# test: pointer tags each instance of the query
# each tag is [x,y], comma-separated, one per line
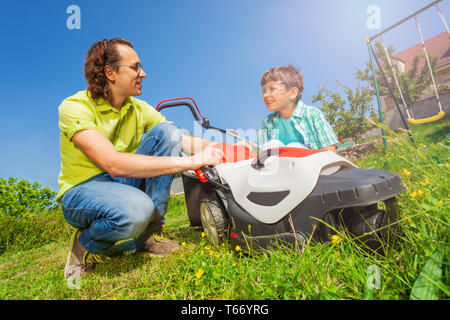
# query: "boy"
[292,122]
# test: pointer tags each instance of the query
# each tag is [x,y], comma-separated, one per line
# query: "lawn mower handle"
[204,122]
[169,103]
[166,104]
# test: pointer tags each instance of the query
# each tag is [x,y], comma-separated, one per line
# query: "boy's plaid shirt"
[308,120]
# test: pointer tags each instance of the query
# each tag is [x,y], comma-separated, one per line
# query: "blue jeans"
[109,209]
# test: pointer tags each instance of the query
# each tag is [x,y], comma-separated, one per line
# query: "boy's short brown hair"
[289,75]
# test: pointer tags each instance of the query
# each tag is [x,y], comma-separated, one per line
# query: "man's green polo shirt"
[123,128]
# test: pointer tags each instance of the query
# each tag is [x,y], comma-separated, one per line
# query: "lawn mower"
[289,196]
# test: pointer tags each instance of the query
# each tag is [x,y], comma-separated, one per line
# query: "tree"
[20,196]
[348,121]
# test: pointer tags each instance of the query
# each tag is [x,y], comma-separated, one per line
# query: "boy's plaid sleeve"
[324,132]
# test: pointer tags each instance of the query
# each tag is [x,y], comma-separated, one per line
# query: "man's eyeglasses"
[137,67]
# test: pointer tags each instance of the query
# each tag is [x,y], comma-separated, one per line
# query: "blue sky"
[214,51]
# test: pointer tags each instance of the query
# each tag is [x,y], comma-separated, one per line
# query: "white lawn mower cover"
[297,175]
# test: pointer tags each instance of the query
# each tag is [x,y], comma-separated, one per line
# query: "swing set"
[372,56]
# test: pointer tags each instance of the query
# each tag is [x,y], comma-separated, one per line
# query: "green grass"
[32,260]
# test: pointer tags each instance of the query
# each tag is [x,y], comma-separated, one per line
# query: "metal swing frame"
[373,57]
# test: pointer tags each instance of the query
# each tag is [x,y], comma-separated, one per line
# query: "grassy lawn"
[32,261]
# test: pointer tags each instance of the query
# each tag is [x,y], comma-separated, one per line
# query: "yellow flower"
[183,244]
[238,248]
[335,239]
[115,298]
[425,183]
[419,192]
[440,203]
[203,234]
[406,172]
[413,194]
[201,252]
[199,273]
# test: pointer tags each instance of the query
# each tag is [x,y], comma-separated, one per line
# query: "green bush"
[19,196]
[32,229]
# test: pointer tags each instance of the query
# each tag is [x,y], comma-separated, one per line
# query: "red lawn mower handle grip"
[201,175]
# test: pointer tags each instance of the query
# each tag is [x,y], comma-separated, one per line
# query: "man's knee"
[168,135]
[166,131]
[139,211]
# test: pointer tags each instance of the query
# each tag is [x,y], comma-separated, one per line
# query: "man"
[118,157]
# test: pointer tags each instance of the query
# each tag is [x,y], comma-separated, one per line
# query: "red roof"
[437,46]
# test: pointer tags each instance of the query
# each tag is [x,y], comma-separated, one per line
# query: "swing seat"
[437,117]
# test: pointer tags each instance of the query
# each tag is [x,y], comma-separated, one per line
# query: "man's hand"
[193,145]
[244,143]
[209,156]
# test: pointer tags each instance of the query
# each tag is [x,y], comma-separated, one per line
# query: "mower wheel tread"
[214,221]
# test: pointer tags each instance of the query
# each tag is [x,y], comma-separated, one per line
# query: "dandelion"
[419,192]
[425,183]
[238,248]
[183,244]
[413,195]
[440,203]
[406,172]
[199,273]
[335,239]
[203,234]
[115,298]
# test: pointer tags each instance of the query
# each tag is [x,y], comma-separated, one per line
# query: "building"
[438,46]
